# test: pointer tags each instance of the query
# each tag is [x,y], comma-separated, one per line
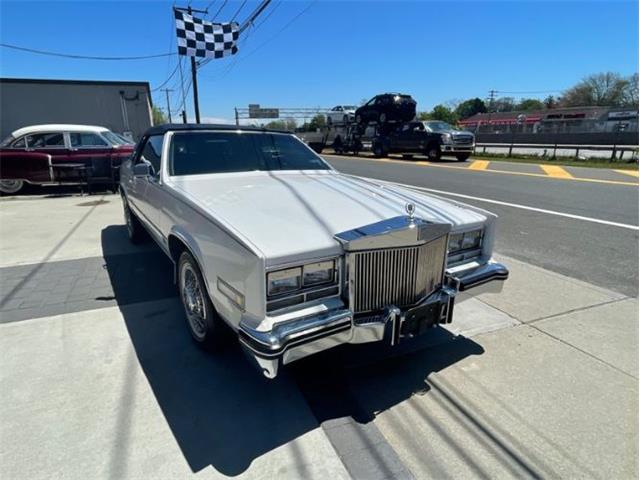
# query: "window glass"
[43,140]
[20,143]
[113,138]
[285,152]
[194,153]
[86,139]
[152,152]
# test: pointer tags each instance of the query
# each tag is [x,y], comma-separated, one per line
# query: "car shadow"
[220,410]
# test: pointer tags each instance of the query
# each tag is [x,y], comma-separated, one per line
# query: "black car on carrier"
[387,107]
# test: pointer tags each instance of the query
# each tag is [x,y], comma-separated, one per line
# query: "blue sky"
[336,52]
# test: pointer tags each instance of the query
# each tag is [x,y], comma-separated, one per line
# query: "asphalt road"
[598,253]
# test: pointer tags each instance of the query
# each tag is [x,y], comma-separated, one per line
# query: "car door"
[53,145]
[403,137]
[365,111]
[142,190]
[93,151]
[419,137]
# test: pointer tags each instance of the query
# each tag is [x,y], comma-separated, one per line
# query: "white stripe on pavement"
[522,207]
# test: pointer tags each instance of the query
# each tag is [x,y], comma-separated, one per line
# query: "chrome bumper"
[456,148]
[304,336]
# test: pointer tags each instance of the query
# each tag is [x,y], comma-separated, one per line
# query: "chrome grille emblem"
[410,208]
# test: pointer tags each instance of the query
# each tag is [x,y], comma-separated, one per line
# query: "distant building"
[555,121]
[122,107]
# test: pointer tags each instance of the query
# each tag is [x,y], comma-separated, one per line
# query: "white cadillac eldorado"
[292,255]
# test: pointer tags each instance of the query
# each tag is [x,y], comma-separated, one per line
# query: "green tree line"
[601,89]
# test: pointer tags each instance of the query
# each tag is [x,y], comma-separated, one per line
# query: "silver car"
[341,114]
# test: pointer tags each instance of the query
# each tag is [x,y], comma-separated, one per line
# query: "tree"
[503,104]
[440,112]
[470,107]
[550,102]
[422,116]
[276,125]
[600,89]
[158,116]
[630,92]
[529,104]
[318,121]
[284,124]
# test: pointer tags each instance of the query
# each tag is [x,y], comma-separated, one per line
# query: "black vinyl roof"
[182,127]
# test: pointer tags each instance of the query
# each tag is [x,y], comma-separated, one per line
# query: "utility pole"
[492,97]
[166,91]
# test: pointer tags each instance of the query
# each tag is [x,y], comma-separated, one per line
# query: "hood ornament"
[410,208]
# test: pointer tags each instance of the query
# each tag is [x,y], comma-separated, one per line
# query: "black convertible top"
[173,127]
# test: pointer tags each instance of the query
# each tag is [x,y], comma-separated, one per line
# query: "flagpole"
[194,79]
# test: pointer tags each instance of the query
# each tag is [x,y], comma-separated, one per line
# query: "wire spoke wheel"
[193,300]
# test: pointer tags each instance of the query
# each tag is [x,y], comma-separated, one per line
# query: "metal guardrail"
[614,149]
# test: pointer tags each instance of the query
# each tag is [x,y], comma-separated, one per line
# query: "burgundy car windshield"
[114,139]
[195,153]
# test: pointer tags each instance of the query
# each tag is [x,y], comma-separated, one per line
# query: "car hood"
[290,216]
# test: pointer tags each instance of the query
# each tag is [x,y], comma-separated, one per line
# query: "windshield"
[113,138]
[438,126]
[127,141]
[195,153]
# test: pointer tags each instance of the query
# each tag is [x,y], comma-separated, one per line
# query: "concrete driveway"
[101,380]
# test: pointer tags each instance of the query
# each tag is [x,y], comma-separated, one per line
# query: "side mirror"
[142,169]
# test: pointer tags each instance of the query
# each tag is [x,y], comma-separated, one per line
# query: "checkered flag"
[199,38]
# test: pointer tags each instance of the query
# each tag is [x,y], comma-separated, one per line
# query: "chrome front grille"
[462,139]
[395,276]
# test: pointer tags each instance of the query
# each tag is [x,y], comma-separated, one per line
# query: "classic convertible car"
[294,256]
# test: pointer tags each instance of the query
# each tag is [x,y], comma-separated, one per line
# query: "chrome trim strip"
[228,291]
[396,232]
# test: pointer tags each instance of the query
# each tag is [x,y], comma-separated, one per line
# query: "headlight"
[455,242]
[465,241]
[471,239]
[318,273]
[446,138]
[284,281]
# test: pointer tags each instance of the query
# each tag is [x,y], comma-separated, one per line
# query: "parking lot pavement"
[101,378]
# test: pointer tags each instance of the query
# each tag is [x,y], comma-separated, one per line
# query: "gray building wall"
[25,102]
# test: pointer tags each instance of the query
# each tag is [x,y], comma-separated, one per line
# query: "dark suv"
[387,107]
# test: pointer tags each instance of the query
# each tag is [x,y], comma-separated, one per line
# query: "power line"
[246,24]
[219,10]
[238,11]
[529,91]
[287,25]
[168,79]
[84,57]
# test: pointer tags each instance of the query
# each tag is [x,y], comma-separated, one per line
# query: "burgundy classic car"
[61,155]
